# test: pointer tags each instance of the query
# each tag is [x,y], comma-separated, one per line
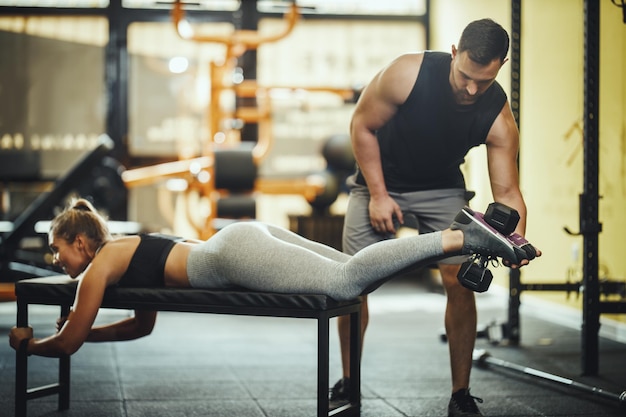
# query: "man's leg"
[460,322]
[436,210]
[343,324]
[357,234]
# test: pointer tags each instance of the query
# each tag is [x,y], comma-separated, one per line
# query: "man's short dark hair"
[484,40]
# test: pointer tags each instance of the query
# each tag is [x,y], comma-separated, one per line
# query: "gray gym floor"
[212,365]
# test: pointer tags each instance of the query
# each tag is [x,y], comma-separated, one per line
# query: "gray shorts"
[426,211]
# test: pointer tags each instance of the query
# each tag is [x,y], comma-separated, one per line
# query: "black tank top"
[147,265]
[424,144]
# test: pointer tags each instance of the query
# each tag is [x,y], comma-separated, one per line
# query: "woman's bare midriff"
[175,273]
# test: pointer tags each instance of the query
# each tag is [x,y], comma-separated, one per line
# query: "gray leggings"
[263,257]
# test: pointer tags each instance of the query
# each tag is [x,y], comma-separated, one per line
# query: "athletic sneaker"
[481,238]
[462,405]
[339,394]
[518,240]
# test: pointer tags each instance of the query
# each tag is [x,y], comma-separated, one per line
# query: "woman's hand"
[18,334]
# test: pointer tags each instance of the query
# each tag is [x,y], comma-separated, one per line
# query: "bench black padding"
[60,290]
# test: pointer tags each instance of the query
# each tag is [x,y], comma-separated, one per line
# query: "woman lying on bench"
[252,255]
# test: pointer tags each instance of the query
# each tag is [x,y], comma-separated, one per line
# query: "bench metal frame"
[254,304]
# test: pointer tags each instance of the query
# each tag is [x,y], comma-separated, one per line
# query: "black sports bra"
[147,266]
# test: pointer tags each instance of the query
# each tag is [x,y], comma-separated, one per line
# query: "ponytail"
[81,217]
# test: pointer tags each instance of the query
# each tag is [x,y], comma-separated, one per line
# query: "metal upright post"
[589,224]
[516,59]
[513,323]
[64,372]
[249,20]
[21,366]
[116,78]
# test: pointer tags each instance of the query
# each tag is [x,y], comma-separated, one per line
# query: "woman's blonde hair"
[80,217]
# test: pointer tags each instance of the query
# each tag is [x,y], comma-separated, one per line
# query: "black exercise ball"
[328,196]
[337,151]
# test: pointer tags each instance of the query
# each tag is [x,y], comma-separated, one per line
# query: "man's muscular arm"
[376,106]
[502,150]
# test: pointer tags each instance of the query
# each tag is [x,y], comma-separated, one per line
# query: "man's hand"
[382,213]
[536,253]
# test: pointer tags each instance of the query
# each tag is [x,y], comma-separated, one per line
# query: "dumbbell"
[474,274]
[501,217]
[504,219]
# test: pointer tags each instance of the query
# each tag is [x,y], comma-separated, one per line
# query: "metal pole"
[589,224]
[484,358]
[513,323]
[21,365]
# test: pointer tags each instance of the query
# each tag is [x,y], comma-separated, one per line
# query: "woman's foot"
[482,239]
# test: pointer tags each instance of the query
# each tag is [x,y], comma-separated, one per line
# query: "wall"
[552,107]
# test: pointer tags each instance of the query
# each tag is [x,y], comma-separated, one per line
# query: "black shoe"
[339,394]
[480,238]
[462,405]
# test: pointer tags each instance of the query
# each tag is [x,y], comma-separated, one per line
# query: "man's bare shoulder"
[410,59]
[403,70]
[405,65]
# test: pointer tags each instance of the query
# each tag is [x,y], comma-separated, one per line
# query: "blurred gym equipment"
[23,245]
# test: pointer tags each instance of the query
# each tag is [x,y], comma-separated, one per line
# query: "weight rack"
[590,227]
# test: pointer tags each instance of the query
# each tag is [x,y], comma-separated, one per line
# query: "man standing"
[411,130]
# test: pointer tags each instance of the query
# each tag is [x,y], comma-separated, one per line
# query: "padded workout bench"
[60,290]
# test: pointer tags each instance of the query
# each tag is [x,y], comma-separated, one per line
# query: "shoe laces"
[339,390]
[485,260]
[466,402]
